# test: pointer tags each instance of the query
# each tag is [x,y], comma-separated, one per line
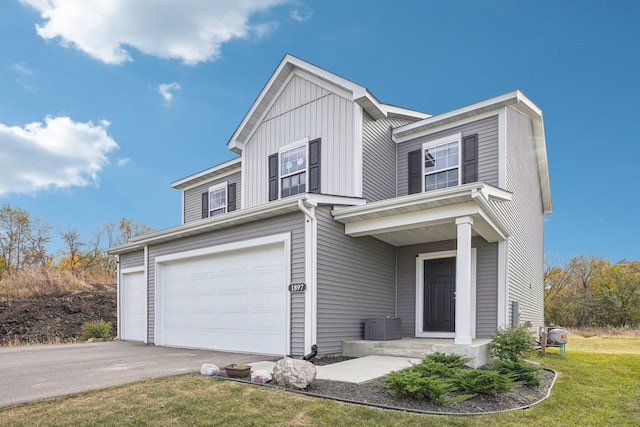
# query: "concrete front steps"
[417,348]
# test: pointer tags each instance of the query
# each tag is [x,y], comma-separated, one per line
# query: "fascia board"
[405,132]
[394,111]
[410,220]
[222,169]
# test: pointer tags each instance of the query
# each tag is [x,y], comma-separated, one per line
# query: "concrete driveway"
[40,372]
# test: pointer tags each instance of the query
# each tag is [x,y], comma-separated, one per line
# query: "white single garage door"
[133,307]
[230,301]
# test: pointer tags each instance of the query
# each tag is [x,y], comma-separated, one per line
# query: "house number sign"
[297,287]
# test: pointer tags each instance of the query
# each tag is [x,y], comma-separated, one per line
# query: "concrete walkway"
[356,371]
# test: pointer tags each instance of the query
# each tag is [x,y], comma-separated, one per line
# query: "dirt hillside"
[55,317]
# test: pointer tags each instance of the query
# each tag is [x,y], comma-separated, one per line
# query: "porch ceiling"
[427,217]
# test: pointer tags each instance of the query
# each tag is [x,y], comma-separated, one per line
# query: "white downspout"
[310,272]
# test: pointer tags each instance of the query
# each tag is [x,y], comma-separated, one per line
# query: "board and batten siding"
[379,158]
[131,259]
[524,218]
[291,223]
[486,284]
[355,282]
[304,110]
[193,196]
[487,130]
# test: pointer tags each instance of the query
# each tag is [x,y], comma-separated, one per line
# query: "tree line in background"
[24,240]
[592,292]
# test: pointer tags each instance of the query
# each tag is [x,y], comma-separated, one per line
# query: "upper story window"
[295,169]
[443,163]
[218,199]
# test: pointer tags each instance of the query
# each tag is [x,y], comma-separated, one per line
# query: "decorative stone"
[294,373]
[209,369]
[261,376]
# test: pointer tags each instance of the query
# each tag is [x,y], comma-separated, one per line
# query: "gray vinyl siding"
[293,223]
[131,260]
[304,110]
[355,282]
[486,284]
[379,158]
[524,218]
[193,196]
[487,130]
[297,324]
[486,290]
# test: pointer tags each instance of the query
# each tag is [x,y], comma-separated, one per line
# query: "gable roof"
[279,78]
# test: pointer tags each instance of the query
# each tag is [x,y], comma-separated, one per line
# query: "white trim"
[232,164]
[457,138]
[420,292]
[358,150]
[216,187]
[146,287]
[283,238]
[118,297]
[140,269]
[243,183]
[442,127]
[292,145]
[412,130]
[502,284]
[502,149]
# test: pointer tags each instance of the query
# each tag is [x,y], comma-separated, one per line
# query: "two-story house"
[338,208]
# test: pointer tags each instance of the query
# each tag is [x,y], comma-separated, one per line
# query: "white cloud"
[22,68]
[189,30]
[59,153]
[123,162]
[165,90]
[301,14]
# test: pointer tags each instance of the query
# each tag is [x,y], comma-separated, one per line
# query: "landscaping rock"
[209,369]
[294,373]
[261,376]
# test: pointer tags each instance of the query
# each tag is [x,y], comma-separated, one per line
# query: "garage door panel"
[232,301]
[133,307]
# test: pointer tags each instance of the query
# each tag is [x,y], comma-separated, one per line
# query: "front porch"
[478,350]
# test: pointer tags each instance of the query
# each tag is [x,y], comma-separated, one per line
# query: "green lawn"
[594,388]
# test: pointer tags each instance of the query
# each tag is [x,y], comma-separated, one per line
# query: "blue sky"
[103,106]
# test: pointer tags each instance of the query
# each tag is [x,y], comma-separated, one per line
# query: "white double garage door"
[233,300]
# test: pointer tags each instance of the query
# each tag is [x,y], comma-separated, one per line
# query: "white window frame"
[457,138]
[214,188]
[292,146]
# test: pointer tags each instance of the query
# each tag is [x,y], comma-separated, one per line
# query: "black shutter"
[231,197]
[314,166]
[273,177]
[470,159]
[205,205]
[415,175]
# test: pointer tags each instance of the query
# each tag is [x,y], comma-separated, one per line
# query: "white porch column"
[463,281]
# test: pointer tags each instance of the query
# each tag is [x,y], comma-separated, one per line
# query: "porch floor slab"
[417,348]
[364,369]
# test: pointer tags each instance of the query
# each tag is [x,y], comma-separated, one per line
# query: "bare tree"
[73,247]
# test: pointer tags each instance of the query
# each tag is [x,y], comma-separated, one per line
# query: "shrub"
[512,344]
[524,373]
[97,329]
[450,360]
[484,382]
[411,383]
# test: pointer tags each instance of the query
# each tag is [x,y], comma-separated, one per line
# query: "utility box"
[383,329]
[556,337]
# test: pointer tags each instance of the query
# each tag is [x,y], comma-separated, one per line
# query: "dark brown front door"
[439,295]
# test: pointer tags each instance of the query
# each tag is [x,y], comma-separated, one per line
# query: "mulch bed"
[373,394]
